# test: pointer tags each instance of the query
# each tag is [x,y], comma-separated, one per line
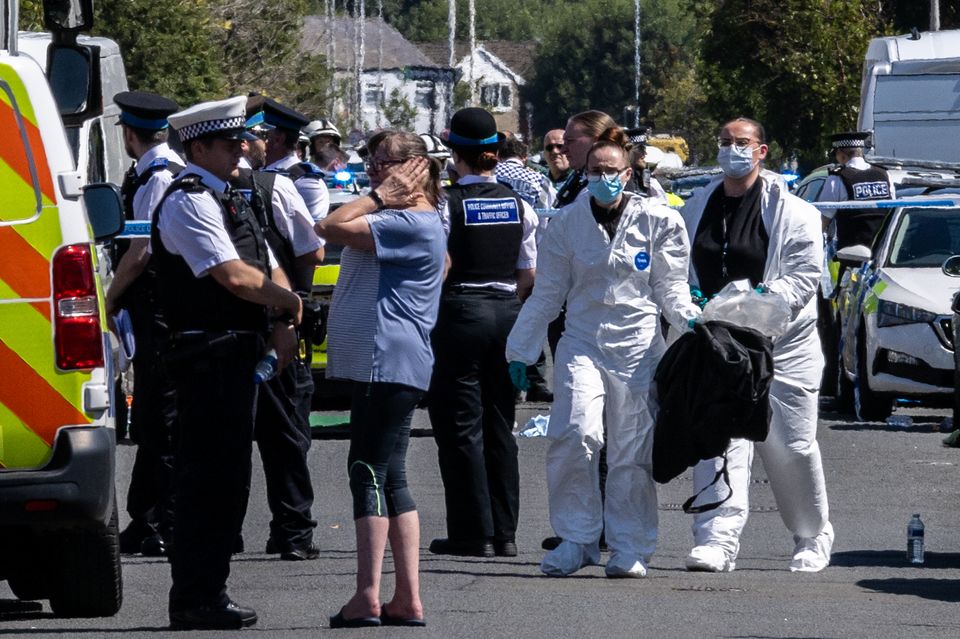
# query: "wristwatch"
[373,195]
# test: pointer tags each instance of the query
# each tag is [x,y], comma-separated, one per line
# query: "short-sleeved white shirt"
[293,218]
[191,225]
[148,196]
[314,192]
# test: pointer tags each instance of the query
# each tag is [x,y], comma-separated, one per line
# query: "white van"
[910,96]
[97,142]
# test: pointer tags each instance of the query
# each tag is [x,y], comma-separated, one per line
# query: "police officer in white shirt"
[217,290]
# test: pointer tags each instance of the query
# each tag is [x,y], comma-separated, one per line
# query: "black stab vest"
[201,303]
[486,230]
[860,226]
[257,188]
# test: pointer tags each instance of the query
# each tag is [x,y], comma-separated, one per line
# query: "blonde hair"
[593,122]
[403,146]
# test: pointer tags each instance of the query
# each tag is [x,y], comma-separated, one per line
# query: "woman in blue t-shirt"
[384,307]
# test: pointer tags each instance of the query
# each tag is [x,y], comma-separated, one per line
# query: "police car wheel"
[872,406]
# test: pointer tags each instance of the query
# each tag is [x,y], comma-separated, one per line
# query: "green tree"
[167,47]
[587,60]
[794,65]
[398,111]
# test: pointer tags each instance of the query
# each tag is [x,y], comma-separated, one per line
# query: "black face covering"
[731,241]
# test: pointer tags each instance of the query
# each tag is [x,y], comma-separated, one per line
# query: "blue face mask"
[605,190]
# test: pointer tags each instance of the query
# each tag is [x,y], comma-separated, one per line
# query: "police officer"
[284,125]
[641,182]
[220,292]
[854,179]
[492,254]
[283,405]
[143,118]
[321,133]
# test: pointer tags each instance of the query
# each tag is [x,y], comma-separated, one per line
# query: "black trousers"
[282,432]
[472,412]
[152,417]
[216,399]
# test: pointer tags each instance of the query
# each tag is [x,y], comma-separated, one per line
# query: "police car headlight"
[893,314]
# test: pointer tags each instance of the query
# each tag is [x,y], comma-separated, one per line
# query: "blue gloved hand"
[518,375]
[692,321]
[760,288]
[697,297]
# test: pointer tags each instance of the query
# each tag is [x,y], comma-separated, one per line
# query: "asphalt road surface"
[877,476]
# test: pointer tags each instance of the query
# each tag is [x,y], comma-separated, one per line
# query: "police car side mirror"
[104,210]
[854,255]
[951,266]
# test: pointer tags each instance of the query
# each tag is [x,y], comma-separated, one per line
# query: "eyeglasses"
[610,174]
[378,165]
[549,148]
[740,143]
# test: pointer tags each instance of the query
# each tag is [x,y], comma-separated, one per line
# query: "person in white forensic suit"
[618,260]
[746,224]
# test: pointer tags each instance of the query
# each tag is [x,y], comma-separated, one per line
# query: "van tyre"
[89,581]
[873,406]
[29,579]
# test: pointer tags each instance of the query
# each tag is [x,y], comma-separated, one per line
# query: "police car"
[896,337]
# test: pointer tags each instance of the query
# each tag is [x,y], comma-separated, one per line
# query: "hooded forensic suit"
[614,293]
[790,454]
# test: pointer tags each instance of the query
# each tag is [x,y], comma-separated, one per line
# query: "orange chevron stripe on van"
[28,396]
[22,267]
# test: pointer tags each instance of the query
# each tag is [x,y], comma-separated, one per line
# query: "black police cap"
[473,128]
[282,117]
[144,110]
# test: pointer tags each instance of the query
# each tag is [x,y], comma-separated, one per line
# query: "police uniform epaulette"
[159,162]
[309,168]
[835,170]
[190,183]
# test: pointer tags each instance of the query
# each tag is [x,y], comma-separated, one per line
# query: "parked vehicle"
[58,514]
[908,95]
[896,335]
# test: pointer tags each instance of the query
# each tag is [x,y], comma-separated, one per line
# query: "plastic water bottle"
[915,540]
[266,367]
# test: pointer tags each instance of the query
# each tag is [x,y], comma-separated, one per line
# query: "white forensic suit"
[614,292]
[790,454]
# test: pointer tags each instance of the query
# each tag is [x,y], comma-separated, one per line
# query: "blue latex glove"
[691,322]
[697,297]
[518,375]
[760,288]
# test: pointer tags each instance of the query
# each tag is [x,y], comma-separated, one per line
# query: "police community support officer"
[215,289]
[492,254]
[854,179]
[143,117]
[284,125]
[282,426]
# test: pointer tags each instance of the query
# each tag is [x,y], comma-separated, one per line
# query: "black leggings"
[380,417]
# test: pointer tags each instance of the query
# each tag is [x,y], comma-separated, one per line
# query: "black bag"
[713,384]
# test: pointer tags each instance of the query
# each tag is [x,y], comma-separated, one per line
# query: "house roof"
[518,57]
[398,52]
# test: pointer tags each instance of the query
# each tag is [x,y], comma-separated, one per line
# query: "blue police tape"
[889,204]
[135,228]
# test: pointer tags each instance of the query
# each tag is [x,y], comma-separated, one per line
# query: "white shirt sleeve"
[315,196]
[528,247]
[148,196]
[293,218]
[191,225]
[833,191]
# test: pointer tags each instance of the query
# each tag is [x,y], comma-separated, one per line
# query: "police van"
[58,516]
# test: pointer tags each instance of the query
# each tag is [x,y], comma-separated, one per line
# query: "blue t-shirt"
[386,302]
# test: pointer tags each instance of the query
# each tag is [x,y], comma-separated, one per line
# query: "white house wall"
[427,120]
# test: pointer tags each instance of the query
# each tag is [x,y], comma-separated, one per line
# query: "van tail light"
[77,335]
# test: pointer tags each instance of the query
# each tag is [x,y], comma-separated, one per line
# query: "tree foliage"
[794,65]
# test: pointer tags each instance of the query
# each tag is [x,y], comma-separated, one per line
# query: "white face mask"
[735,161]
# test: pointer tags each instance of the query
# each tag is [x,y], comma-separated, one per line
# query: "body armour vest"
[860,226]
[256,187]
[201,303]
[486,230]
[141,289]
[302,170]
[570,189]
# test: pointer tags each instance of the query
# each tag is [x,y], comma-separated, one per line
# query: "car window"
[925,238]
[811,189]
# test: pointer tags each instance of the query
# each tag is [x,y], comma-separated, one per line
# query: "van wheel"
[871,406]
[89,582]
[29,583]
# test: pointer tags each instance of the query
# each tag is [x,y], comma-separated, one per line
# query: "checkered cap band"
[849,144]
[207,127]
